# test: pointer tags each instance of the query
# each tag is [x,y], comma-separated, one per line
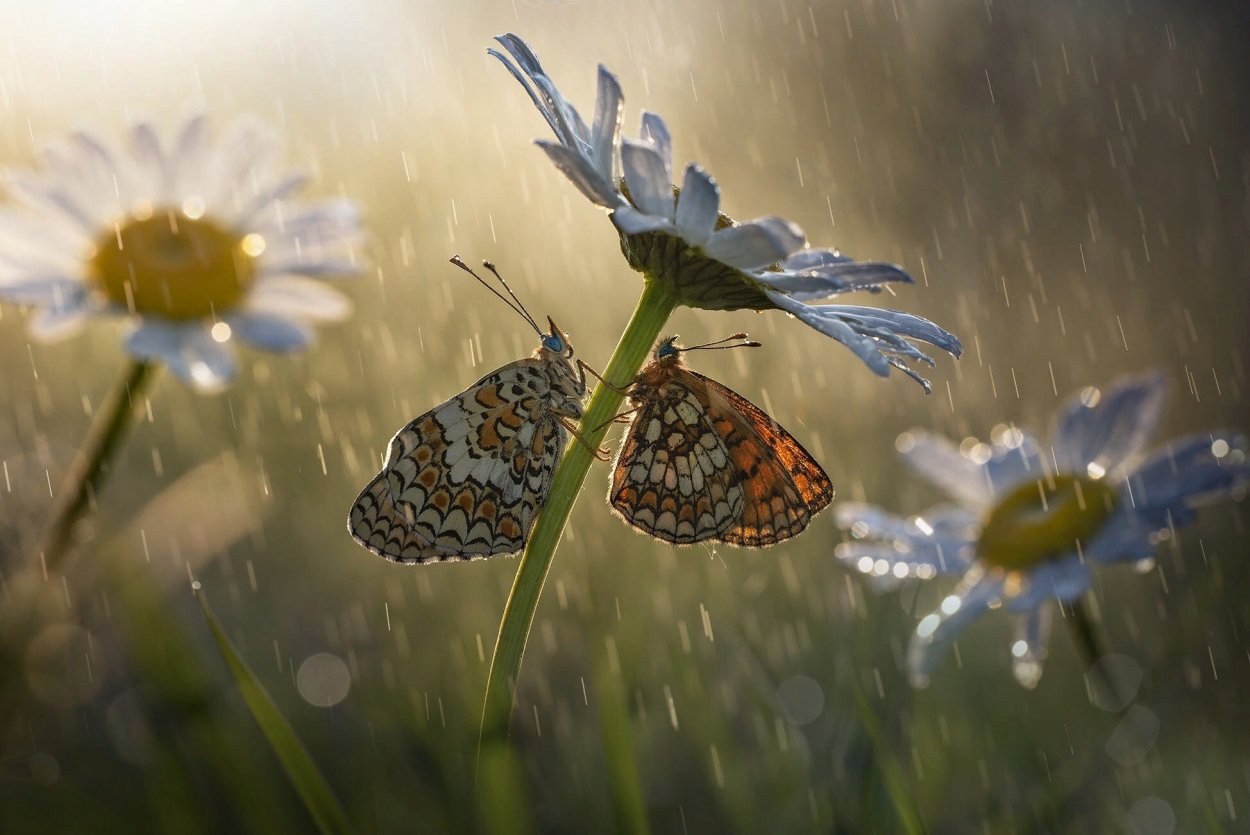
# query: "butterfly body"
[699,462]
[466,479]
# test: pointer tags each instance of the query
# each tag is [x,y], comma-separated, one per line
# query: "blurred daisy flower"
[196,243]
[680,236]
[1031,522]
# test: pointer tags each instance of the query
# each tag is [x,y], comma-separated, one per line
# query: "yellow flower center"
[1042,520]
[168,264]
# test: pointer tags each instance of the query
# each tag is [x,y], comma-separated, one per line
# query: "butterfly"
[701,462]
[465,480]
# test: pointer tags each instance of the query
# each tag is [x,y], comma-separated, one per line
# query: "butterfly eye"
[553,343]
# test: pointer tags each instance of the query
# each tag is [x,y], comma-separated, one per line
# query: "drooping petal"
[757,243]
[698,206]
[974,595]
[1098,438]
[811,283]
[270,332]
[865,348]
[583,175]
[647,178]
[902,548]
[903,324]
[1032,639]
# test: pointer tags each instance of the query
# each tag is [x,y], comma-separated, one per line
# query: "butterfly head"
[668,352]
[668,349]
[556,341]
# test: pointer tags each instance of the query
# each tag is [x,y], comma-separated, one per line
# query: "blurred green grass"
[1094,200]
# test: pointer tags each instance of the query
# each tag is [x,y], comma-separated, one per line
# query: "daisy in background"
[1031,522]
[679,234]
[192,243]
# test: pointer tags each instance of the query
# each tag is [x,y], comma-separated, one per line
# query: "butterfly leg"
[623,417]
[599,453]
[582,368]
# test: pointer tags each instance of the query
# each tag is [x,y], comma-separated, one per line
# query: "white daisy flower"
[679,234]
[1031,523]
[195,243]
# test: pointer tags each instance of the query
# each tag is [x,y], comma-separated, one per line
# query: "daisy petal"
[188,349]
[633,222]
[606,129]
[584,175]
[831,280]
[647,178]
[1028,651]
[655,132]
[39,290]
[1129,535]
[192,146]
[528,63]
[903,324]
[974,595]
[864,347]
[286,295]
[1191,469]
[698,206]
[265,199]
[940,461]
[756,243]
[271,333]
[1063,579]
[1111,431]
[63,317]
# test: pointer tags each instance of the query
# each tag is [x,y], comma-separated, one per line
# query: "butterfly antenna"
[488,265]
[520,311]
[719,345]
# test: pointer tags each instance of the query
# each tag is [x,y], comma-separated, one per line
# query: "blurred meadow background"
[1068,181]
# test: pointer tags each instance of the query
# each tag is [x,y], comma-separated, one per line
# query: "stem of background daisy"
[90,464]
[1093,647]
[657,303]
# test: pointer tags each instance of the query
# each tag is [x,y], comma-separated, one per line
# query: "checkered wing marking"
[783,485]
[466,479]
[673,477]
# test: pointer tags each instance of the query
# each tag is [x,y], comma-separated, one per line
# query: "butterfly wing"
[783,486]
[466,479]
[673,477]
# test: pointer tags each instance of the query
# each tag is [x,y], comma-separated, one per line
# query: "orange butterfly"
[701,462]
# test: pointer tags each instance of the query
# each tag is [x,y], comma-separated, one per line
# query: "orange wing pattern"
[783,484]
[700,462]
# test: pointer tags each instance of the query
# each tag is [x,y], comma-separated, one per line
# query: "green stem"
[90,464]
[657,302]
[1089,639]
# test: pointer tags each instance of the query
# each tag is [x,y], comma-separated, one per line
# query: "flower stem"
[1090,641]
[657,302]
[91,463]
